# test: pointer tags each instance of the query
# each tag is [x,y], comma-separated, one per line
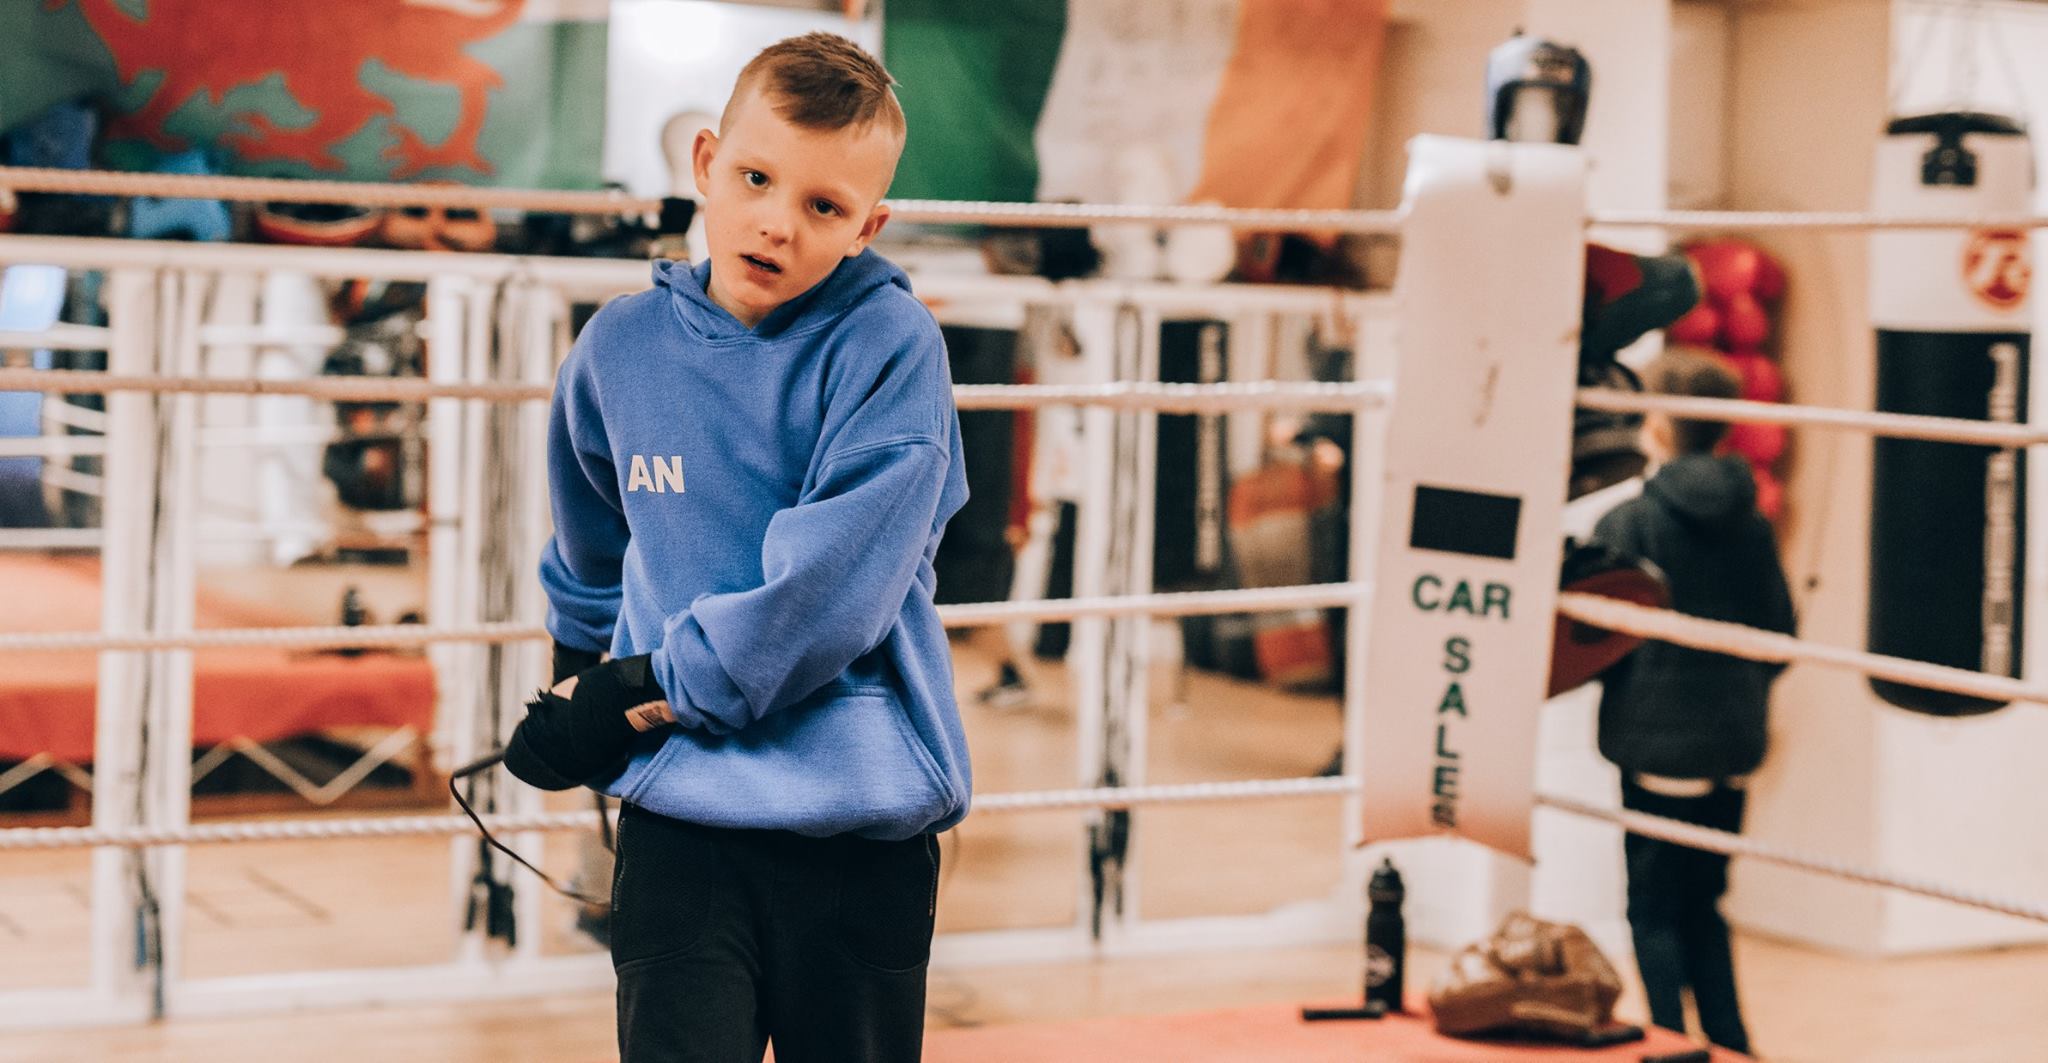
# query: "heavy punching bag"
[1950,309]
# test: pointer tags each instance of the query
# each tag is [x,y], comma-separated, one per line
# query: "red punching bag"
[1946,519]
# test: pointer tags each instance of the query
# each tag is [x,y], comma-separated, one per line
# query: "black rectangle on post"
[1465,522]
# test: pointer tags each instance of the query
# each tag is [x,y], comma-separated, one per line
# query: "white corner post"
[1469,539]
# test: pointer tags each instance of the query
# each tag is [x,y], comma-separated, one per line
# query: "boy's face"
[1660,438]
[783,204]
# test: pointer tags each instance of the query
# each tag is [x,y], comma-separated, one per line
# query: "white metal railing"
[496,325]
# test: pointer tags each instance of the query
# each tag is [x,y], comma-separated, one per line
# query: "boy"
[1687,726]
[750,467]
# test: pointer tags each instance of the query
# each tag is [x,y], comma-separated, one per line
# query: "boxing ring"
[498,326]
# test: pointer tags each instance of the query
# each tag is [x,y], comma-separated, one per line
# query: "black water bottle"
[353,614]
[1386,939]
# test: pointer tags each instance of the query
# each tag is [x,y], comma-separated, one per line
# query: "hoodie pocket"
[845,760]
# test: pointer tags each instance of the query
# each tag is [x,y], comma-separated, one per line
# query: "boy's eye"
[755,178]
[825,207]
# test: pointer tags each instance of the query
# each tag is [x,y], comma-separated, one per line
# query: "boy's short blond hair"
[822,81]
[1699,374]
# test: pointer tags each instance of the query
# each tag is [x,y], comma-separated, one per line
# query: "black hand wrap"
[568,742]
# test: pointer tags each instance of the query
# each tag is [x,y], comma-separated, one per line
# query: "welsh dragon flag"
[507,92]
[1256,103]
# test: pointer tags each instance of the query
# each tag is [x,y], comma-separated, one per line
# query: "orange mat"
[47,699]
[1268,1032]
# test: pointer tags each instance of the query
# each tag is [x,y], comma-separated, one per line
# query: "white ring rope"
[1177,603]
[295,190]
[1894,425]
[1181,398]
[1797,219]
[1037,215]
[407,826]
[1125,395]
[1129,395]
[380,636]
[1693,836]
[1080,215]
[1737,640]
[332,388]
[1687,834]
[948,212]
[971,614]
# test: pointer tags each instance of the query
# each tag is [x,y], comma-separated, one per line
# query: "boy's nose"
[775,226]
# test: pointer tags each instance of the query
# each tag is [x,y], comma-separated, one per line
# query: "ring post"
[1488,301]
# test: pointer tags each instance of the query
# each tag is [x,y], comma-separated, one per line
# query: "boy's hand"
[582,729]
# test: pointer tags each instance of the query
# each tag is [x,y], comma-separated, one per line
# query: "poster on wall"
[1085,99]
[503,92]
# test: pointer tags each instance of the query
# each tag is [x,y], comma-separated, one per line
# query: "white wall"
[1628,43]
[1702,35]
[1807,106]
[671,56]
[1432,80]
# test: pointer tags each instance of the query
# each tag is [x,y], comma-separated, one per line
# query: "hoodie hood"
[825,302]
[1716,493]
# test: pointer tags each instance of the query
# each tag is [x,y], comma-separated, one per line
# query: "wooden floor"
[344,904]
[1802,1006]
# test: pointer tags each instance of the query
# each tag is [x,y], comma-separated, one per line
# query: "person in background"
[1686,726]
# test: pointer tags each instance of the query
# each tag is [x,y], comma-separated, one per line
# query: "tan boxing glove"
[1531,976]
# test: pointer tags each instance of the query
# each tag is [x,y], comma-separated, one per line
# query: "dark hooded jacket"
[1681,712]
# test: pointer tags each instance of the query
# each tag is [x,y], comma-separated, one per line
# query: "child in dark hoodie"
[1687,726]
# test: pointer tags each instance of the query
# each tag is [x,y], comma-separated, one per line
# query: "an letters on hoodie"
[667,474]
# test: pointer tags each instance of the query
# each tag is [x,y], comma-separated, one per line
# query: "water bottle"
[353,614]
[1386,939]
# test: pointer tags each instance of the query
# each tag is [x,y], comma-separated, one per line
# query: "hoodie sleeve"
[1776,595]
[580,566]
[838,564]
[1618,529]
[1779,615]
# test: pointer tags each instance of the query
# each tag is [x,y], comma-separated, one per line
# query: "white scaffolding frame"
[501,319]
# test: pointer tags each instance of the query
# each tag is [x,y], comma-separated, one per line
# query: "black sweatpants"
[724,940]
[1674,914]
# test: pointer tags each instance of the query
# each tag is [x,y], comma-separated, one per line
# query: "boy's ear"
[877,218]
[702,151]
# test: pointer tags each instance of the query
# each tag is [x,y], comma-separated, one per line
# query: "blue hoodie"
[758,509]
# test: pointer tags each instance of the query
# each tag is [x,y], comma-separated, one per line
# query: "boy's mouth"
[762,264]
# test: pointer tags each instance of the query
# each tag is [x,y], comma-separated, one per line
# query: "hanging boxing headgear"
[317,224]
[1537,90]
[1953,340]
[1627,297]
[418,228]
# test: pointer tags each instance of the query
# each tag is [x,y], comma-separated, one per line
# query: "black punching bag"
[1947,520]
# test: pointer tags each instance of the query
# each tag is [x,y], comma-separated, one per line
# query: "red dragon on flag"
[319,51]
